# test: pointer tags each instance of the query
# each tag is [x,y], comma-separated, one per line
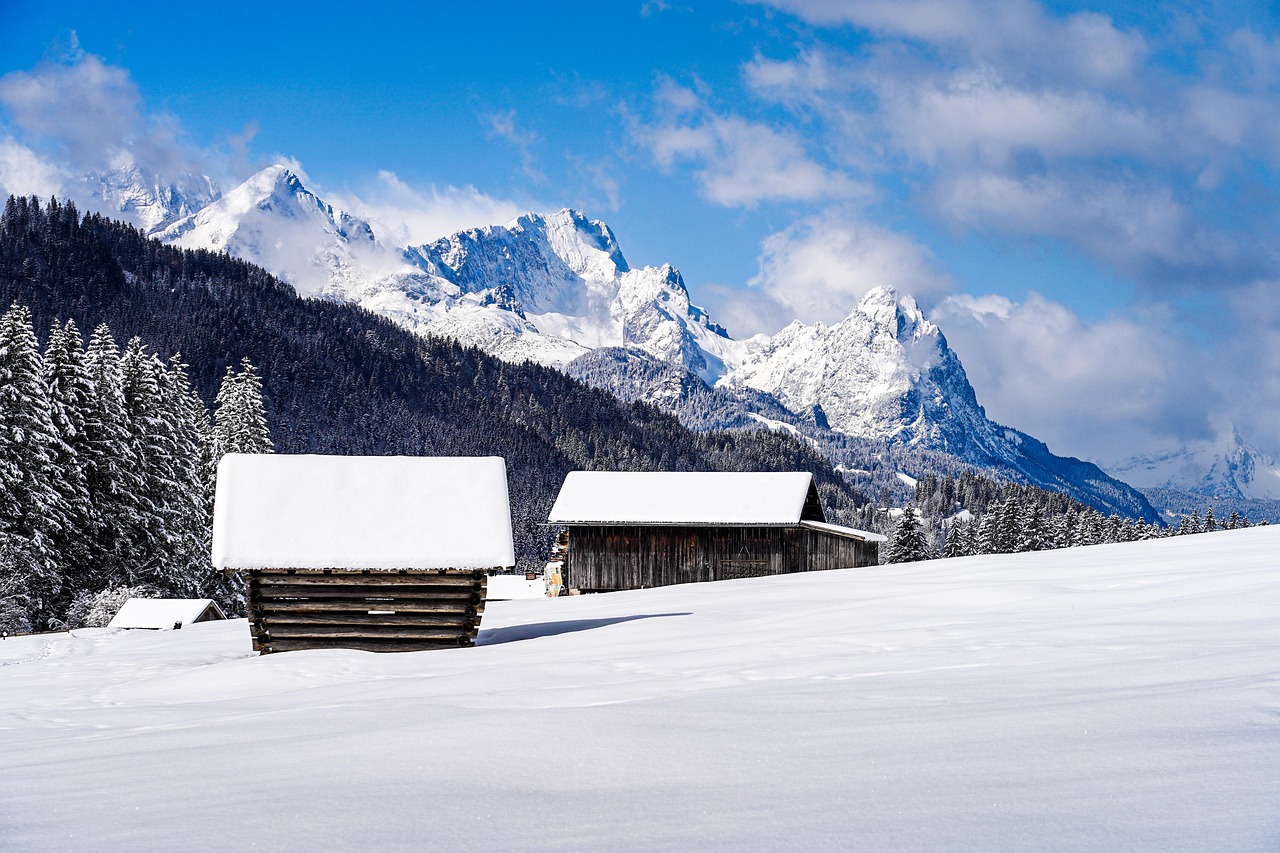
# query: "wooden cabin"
[630,530]
[381,553]
[161,613]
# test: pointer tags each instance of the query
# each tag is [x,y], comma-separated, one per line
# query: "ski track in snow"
[1112,697]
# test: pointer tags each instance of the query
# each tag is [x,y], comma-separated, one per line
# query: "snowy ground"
[1115,697]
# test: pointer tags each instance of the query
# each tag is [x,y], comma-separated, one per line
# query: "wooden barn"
[382,553]
[161,613]
[630,530]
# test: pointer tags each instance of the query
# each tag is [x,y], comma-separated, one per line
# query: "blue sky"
[1082,195]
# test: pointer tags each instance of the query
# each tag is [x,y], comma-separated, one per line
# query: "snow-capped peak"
[1225,467]
[150,201]
[884,371]
[273,220]
[587,246]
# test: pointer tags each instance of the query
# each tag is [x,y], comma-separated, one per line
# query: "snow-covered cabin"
[629,530]
[369,552]
[165,613]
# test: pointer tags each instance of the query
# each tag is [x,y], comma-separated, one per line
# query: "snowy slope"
[149,201]
[272,220]
[566,276]
[1121,697]
[1224,468]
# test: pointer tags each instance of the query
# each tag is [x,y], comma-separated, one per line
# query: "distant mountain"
[148,200]
[1226,473]
[1226,468]
[552,288]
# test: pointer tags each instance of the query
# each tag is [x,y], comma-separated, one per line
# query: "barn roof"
[162,612]
[276,511]
[680,498]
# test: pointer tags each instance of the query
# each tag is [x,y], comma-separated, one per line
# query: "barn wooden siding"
[611,557]
[399,610]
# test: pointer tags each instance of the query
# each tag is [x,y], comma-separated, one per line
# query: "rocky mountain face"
[1226,472]
[555,288]
[150,201]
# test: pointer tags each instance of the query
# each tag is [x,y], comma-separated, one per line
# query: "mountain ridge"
[550,288]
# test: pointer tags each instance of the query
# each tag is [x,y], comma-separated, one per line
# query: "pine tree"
[70,393]
[908,542]
[956,540]
[240,420]
[33,514]
[1210,523]
[110,465]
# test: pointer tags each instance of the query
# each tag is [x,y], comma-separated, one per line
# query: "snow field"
[1111,697]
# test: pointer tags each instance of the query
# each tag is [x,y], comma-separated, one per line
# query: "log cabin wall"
[613,557]
[375,610]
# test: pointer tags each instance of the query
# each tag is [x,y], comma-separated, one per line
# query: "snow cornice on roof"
[686,499]
[277,511]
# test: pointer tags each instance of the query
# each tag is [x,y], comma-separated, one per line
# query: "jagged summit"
[273,220]
[1225,467]
[150,201]
[885,371]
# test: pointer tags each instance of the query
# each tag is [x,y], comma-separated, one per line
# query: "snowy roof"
[838,530]
[628,497]
[162,612]
[276,511]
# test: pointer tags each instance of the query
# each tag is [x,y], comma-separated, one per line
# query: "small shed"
[630,530]
[159,613]
[383,553]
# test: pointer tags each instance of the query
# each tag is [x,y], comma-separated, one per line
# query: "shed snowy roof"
[275,511]
[162,612]
[628,497]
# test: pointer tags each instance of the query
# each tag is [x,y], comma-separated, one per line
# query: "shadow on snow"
[514,633]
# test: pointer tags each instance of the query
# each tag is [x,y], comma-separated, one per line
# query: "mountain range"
[556,289]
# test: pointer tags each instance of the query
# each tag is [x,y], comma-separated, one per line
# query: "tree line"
[107,460]
[970,514]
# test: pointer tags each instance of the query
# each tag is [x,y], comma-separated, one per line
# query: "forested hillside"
[337,379]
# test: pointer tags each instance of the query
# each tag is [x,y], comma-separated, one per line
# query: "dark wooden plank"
[276,621]
[272,577]
[410,592]
[267,608]
[384,632]
[285,645]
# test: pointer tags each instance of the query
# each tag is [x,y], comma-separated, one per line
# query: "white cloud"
[407,216]
[90,116]
[24,172]
[975,116]
[819,267]
[1139,228]
[1100,390]
[1085,45]
[505,125]
[738,163]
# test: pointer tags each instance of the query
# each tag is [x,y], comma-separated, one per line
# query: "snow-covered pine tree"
[33,514]
[239,426]
[149,519]
[70,393]
[908,545]
[1210,523]
[1189,525]
[240,419]
[110,465]
[955,545]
